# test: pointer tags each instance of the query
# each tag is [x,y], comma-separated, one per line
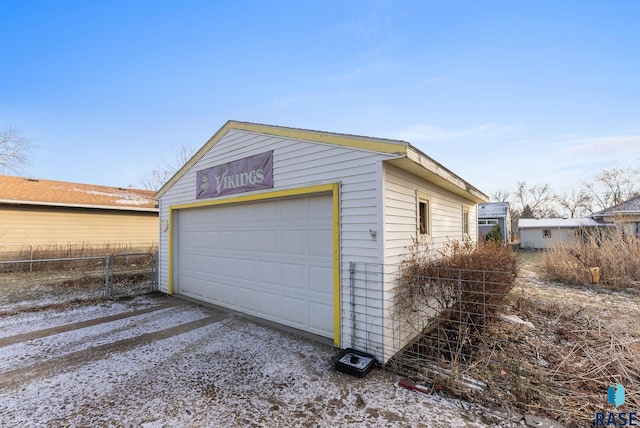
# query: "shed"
[495,213]
[37,211]
[547,232]
[265,220]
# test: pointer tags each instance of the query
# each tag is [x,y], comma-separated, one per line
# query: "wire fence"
[76,272]
[42,257]
[439,327]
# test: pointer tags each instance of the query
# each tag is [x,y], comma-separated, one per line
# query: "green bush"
[494,235]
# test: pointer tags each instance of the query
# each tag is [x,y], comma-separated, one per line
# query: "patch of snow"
[230,372]
[514,319]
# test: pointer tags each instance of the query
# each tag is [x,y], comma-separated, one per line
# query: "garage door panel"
[228,240]
[269,272]
[293,242]
[269,241]
[318,209]
[244,216]
[268,212]
[212,240]
[227,267]
[295,276]
[270,305]
[294,311]
[246,240]
[271,259]
[320,317]
[247,269]
[319,241]
[295,210]
[247,299]
[319,276]
[226,292]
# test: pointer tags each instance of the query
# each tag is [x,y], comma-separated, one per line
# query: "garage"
[307,229]
[272,259]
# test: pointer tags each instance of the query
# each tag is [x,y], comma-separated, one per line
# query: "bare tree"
[501,196]
[156,178]
[14,150]
[613,186]
[576,202]
[538,198]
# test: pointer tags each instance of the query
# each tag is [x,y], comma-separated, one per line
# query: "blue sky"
[497,91]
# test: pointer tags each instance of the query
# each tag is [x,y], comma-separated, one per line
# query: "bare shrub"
[613,251]
[463,287]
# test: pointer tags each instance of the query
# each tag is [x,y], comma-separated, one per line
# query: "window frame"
[546,233]
[423,217]
[465,221]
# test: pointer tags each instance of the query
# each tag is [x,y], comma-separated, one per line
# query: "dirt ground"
[163,362]
[582,340]
[68,357]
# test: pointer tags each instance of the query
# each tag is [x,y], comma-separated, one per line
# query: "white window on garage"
[465,221]
[424,214]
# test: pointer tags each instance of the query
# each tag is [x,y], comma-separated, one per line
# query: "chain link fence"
[40,275]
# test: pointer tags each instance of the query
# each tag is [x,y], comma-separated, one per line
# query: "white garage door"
[271,259]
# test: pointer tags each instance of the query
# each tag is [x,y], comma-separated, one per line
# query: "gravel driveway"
[156,362]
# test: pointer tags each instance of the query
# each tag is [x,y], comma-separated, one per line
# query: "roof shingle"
[21,190]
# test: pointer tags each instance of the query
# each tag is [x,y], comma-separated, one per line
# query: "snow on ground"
[183,365]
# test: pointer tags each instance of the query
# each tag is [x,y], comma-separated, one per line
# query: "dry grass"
[584,340]
[59,282]
[48,257]
[614,253]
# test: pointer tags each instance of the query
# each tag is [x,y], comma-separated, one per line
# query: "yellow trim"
[321,188]
[336,267]
[170,270]
[352,141]
[356,142]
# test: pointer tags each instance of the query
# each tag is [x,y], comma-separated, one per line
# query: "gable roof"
[29,191]
[406,156]
[630,206]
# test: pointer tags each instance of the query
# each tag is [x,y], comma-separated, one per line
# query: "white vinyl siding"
[535,237]
[401,213]
[402,195]
[296,164]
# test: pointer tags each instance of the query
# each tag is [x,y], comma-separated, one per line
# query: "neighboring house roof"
[493,210]
[630,206]
[406,156]
[529,223]
[29,191]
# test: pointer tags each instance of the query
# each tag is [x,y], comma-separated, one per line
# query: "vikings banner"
[242,175]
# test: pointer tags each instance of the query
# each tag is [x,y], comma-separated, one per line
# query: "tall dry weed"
[615,253]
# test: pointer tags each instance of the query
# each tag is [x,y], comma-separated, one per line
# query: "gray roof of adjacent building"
[529,223]
[493,210]
[630,206]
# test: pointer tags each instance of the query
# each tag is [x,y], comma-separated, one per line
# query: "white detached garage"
[263,220]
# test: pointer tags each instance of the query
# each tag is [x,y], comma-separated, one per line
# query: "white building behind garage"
[265,220]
